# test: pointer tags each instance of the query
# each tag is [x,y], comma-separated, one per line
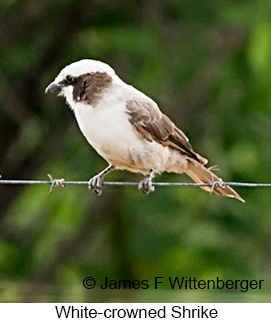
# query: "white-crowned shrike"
[128,129]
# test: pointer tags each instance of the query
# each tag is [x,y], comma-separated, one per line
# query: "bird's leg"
[145,185]
[96,182]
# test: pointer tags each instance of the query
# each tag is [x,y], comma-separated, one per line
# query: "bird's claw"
[96,184]
[145,185]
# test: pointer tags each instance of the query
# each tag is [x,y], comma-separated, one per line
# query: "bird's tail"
[200,174]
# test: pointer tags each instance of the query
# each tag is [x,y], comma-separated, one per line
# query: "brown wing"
[152,124]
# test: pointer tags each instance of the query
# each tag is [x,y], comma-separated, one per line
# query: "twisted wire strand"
[62,182]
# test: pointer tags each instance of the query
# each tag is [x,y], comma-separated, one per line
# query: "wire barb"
[214,168]
[55,182]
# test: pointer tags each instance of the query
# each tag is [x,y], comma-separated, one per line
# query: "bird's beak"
[53,87]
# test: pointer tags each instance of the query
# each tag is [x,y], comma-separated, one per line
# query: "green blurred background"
[208,65]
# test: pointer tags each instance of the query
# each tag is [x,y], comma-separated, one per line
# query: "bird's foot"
[96,184]
[145,185]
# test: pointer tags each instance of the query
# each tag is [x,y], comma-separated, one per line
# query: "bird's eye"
[69,79]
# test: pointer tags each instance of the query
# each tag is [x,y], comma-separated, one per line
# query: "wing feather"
[152,124]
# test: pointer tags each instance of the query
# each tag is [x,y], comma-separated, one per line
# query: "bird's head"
[83,81]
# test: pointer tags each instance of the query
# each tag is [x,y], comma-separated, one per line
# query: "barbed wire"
[62,182]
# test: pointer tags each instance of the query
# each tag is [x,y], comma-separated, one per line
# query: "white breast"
[109,131]
[106,127]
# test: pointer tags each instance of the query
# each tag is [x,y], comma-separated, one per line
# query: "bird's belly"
[111,134]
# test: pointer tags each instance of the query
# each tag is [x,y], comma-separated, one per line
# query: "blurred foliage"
[208,66]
